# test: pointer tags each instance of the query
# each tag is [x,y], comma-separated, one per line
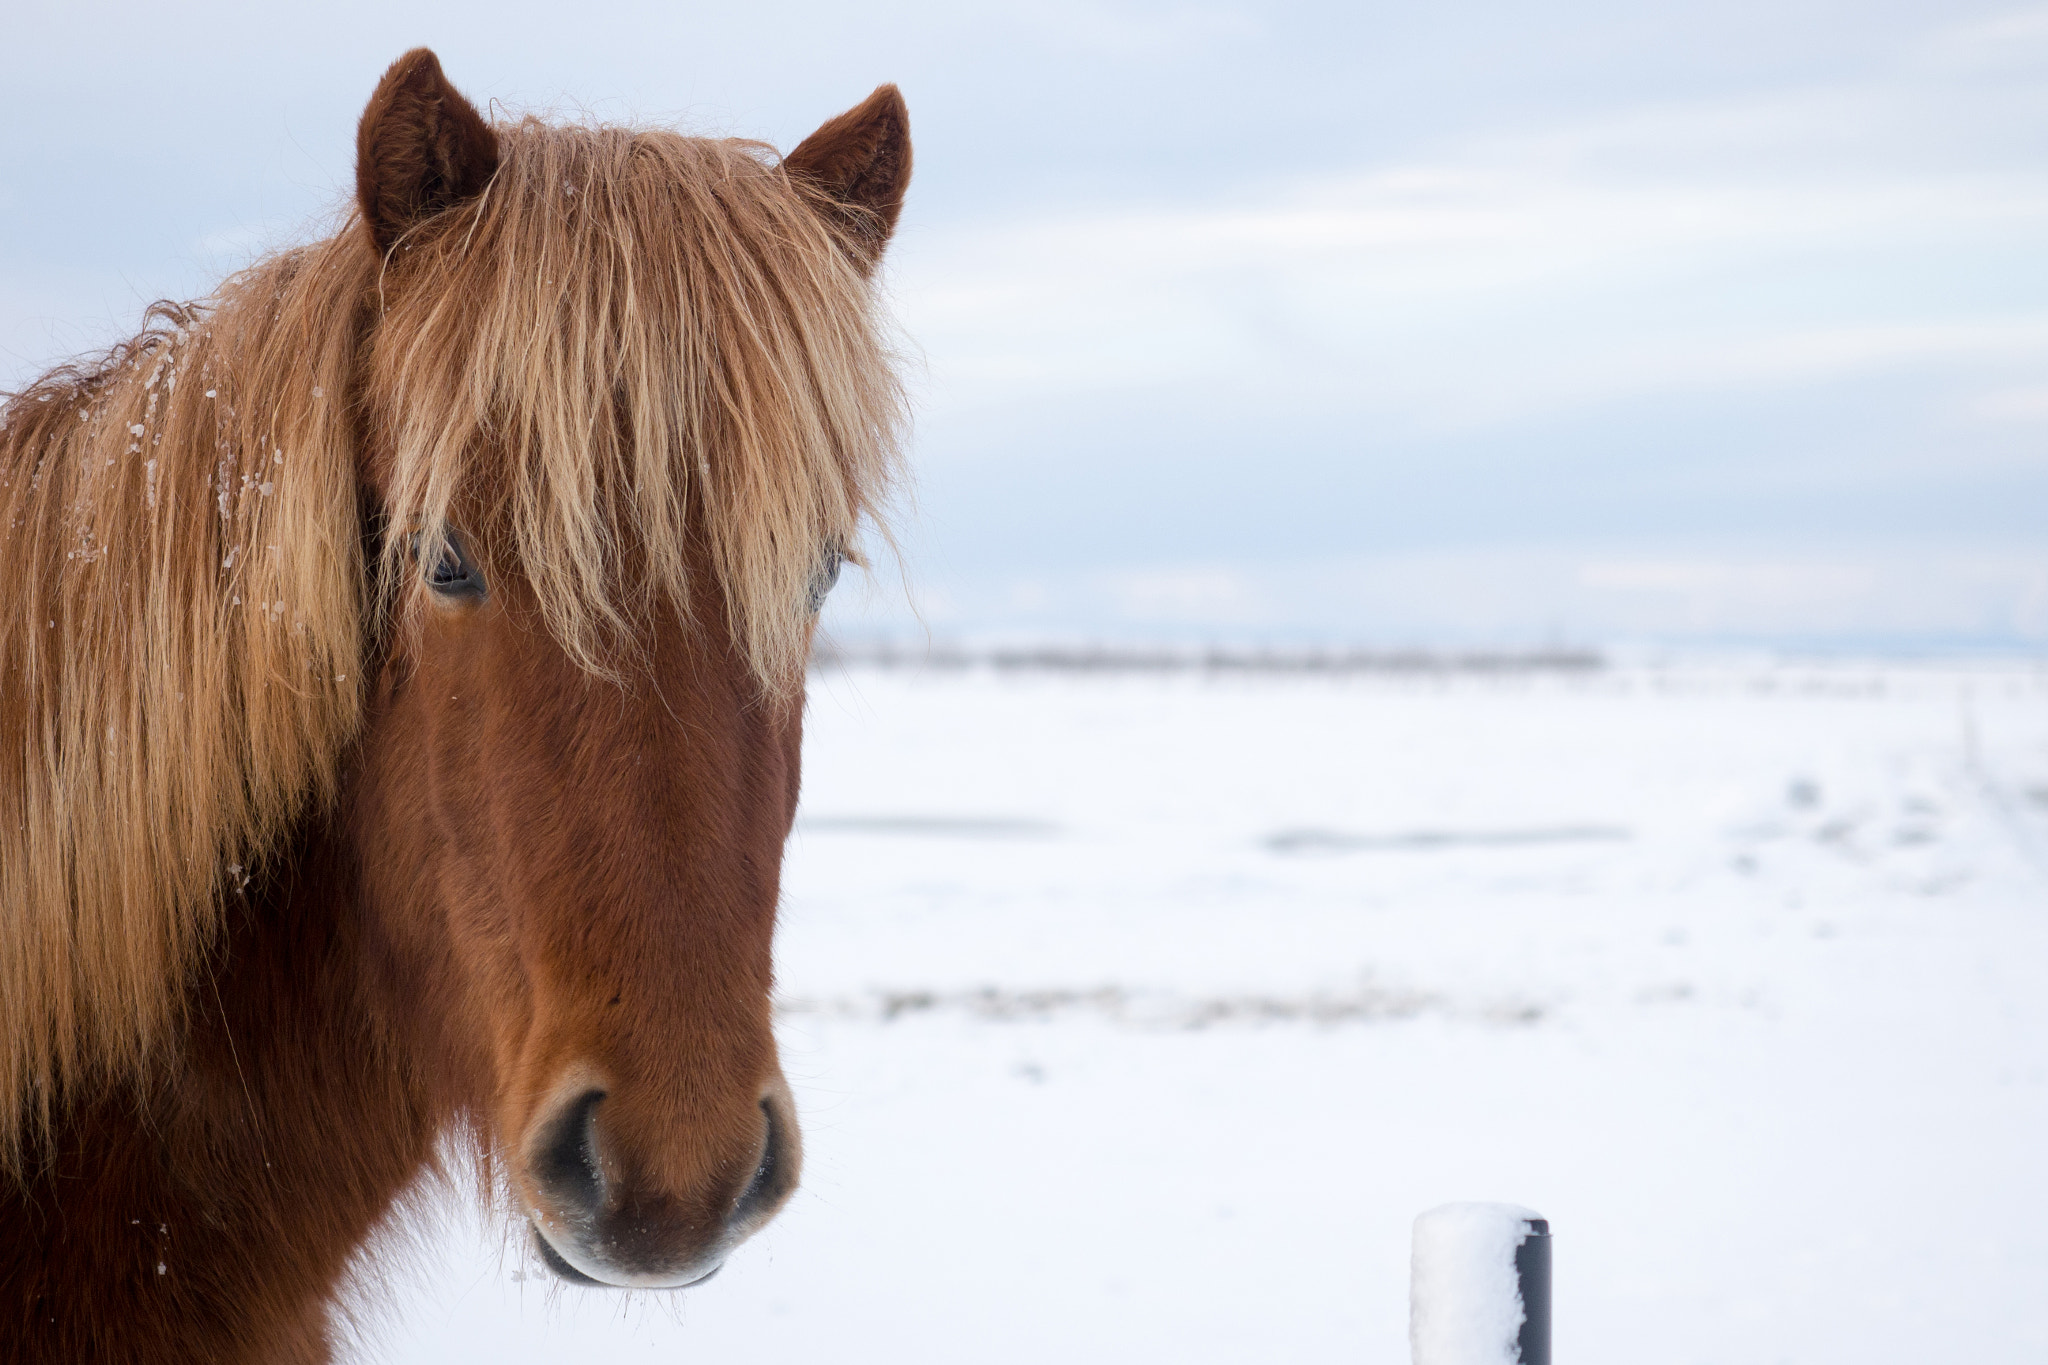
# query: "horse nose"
[595,1224]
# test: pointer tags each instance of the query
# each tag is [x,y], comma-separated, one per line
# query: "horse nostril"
[565,1157]
[773,1178]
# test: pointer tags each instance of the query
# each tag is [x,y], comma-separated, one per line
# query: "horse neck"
[263,1157]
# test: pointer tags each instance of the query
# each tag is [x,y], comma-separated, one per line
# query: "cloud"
[1208,595]
[2007,42]
[1872,595]
[1121,31]
[1729,244]
[2028,406]
[244,242]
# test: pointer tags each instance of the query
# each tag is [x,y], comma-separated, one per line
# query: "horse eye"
[452,574]
[827,575]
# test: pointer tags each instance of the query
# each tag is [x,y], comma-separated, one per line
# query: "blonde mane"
[630,341]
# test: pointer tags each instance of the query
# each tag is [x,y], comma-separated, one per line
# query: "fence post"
[1480,1287]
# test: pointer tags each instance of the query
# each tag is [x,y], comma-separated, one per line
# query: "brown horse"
[400,700]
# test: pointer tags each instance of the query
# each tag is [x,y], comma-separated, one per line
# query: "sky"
[1374,324]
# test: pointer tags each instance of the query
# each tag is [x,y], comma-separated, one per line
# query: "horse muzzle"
[594,1224]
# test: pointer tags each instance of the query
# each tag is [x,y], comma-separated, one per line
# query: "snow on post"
[1480,1287]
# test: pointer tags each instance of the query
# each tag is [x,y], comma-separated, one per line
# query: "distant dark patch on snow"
[943,826]
[1152,1009]
[1091,658]
[1339,841]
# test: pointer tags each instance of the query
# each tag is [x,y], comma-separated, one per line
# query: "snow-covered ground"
[1136,1018]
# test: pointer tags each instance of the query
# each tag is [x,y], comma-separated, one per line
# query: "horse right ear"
[420,148]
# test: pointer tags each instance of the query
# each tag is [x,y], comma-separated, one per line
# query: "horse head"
[622,408]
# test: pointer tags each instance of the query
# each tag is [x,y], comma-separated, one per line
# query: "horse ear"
[420,148]
[860,161]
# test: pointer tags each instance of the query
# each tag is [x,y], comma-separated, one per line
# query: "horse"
[401,692]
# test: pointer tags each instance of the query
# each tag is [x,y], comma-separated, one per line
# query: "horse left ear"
[861,161]
[420,148]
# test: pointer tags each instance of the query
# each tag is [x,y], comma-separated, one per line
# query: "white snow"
[1465,1303]
[1100,1059]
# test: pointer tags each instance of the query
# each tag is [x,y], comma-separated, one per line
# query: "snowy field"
[1135,1019]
